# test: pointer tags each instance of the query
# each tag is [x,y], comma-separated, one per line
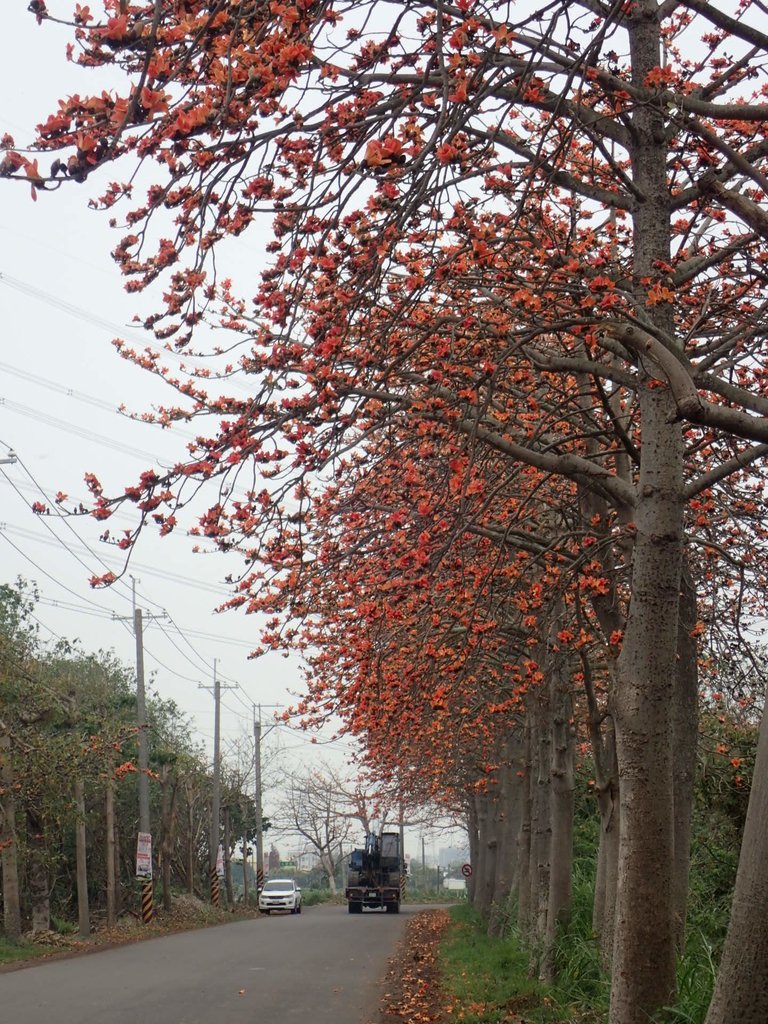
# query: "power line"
[170,577]
[6,538]
[32,291]
[65,307]
[81,396]
[70,428]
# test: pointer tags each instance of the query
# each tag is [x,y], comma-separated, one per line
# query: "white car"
[280,894]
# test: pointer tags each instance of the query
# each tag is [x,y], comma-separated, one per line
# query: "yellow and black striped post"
[215,897]
[259,878]
[147,908]
[403,882]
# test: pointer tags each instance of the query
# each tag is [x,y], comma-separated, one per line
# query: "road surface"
[321,965]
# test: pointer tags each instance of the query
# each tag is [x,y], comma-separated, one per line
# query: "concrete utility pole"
[145,825]
[215,832]
[257,737]
[259,812]
[216,796]
[141,714]
[144,842]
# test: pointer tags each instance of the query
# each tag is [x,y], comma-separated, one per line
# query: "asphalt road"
[321,965]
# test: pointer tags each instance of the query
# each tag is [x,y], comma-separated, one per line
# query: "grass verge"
[488,981]
[13,952]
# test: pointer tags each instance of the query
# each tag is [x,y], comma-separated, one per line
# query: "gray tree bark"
[741,989]
[541,819]
[686,736]
[644,943]
[644,951]
[604,912]
[524,840]
[562,807]
[486,858]
[509,821]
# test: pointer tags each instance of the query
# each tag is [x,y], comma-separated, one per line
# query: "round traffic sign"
[466,870]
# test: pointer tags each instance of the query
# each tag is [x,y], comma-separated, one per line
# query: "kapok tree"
[617,150]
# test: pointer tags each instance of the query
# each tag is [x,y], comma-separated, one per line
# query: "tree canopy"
[505,362]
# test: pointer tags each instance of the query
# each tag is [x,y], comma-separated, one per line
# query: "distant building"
[450,855]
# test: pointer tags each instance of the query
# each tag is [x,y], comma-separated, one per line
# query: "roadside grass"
[484,979]
[313,897]
[13,952]
[490,980]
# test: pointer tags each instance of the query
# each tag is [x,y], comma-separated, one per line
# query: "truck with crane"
[376,874]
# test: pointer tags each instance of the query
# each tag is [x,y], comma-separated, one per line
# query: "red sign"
[466,870]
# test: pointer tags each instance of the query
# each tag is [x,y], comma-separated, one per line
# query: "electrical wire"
[81,396]
[70,428]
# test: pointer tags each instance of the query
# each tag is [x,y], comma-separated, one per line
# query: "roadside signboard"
[144,855]
[466,870]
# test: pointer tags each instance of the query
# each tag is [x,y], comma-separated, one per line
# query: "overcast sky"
[61,383]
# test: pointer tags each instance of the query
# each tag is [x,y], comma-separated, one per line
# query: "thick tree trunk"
[602,736]
[541,821]
[37,875]
[604,913]
[686,735]
[524,840]
[644,944]
[83,915]
[741,990]
[483,892]
[509,820]
[643,977]
[109,852]
[562,808]
[9,845]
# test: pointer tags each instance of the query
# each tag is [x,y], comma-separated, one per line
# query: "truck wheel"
[355,908]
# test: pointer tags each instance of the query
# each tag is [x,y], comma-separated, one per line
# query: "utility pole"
[213,851]
[141,714]
[257,737]
[259,812]
[144,841]
[215,832]
[145,825]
